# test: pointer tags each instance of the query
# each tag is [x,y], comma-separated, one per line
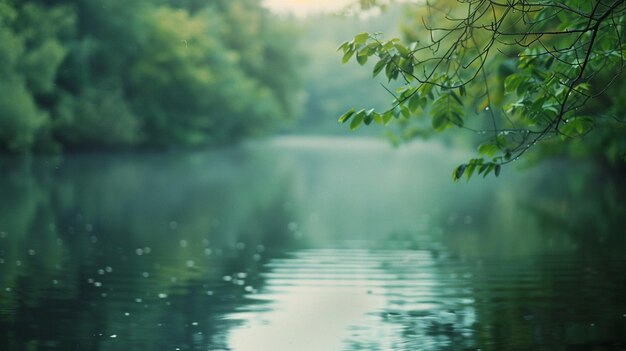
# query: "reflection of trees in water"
[190,221]
[547,264]
[135,247]
[551,302]
[540,213]
[587,205]
[543,266]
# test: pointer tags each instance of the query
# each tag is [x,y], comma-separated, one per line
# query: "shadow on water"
[307,244]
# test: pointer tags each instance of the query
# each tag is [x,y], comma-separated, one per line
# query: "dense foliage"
[522,74]
[117,73]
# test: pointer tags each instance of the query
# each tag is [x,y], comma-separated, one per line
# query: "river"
[312,243]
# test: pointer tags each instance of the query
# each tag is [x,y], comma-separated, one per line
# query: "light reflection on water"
[348,299]
[328,299]
[305,244]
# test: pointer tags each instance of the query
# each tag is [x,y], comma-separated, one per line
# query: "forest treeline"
[83,74]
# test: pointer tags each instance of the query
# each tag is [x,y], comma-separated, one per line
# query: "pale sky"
[303,7]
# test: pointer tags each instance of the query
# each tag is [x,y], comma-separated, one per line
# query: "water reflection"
[307,244]
[332,299]
[307,308]
[116,253]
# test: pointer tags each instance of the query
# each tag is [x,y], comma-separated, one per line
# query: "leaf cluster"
[517,72]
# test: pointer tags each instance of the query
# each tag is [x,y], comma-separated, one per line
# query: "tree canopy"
[520,74]
[142,73]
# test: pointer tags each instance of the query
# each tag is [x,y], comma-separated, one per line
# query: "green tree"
[30,55]
[148,73]
[520,74]
[211,76]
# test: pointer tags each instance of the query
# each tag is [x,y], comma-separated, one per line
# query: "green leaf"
[414,102]
[550,111]
[472,166]
[361,38]
[373,46]
[446,109]
[469,171]
[357,120]
[402,90]
[497,170]
[439,122]
[577,126]
[346,57]
[407,66]
[423,102]
[346,115]
[391,70]
[379,67]
[361,59]
[489,169]
[387,115]
[377,118]
[396,112]
[343,45]
[483,168]
[512,82]
[402,50]
[525,86]
[405,111]
[458,172]
[488,149]
[582,87]
[537,105]
[456,97]
[426,90]
[366,51]
[369,117]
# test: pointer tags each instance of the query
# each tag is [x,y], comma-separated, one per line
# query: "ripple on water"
[351,299]
[330,299]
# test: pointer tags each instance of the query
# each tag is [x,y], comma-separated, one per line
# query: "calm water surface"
[307,244]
